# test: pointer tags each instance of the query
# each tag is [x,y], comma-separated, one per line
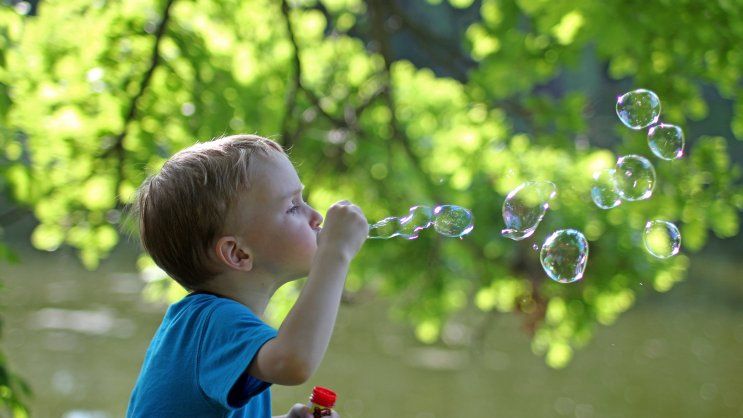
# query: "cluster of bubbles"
[633,178]
[448,220]
[640,109]
[564,253]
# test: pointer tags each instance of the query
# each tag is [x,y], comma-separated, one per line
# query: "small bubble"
[535,247]
[662,239]
[666,141]
[708,391]
[309,115]
[350,147]
[638,109]
[237,124]
[525,207]
[604,191]
[393,23]
[188,109]
[23,8]
[564,255]
[385,229]
[113,216]
[634,177]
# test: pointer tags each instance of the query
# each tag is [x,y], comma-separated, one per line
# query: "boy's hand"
[345,229]
[303,411]
[293,356]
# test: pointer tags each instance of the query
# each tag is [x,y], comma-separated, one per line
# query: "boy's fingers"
[299,411]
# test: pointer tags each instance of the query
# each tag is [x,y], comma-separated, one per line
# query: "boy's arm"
[292,357]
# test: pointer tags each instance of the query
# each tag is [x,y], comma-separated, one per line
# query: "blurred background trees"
[390,104]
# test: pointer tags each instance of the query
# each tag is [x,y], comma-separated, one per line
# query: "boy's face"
[277,226]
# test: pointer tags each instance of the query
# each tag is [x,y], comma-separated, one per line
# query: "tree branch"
[290,101]
[131,114]
[457,62]
[387,93]
[296,86]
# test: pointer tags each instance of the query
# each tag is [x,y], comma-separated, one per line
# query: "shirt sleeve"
[231,338]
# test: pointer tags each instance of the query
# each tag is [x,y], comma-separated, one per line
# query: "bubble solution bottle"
[322,401]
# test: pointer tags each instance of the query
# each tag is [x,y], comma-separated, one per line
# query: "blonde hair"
[183,208]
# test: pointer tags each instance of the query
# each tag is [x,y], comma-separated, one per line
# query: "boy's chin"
[300,274]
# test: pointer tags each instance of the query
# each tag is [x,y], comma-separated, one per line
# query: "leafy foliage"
[94,96]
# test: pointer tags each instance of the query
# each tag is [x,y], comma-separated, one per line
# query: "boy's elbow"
[295,371]
[297,377]
[284,363]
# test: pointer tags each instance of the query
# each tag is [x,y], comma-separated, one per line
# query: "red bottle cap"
[323,397]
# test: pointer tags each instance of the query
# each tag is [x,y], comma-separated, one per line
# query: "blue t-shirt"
[196,365]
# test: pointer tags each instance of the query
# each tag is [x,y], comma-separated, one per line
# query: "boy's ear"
[233,255]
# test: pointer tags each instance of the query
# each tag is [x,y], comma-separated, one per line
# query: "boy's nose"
[315,219]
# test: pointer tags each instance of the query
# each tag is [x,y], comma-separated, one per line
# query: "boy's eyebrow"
[298,191]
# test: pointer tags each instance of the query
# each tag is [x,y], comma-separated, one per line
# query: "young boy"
[227,221]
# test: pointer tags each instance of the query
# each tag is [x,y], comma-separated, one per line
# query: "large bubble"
[662,239]
[452,221]
[666,141]
[524,208]
[418,219]
[638,109]
[634,177]
[564,255]
[604,191]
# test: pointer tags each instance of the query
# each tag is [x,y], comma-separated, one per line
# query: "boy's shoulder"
[203,299]
[214,314]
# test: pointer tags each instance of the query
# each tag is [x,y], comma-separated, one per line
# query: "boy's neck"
[253,292]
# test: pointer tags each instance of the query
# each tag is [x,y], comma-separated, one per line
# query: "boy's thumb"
[299,411]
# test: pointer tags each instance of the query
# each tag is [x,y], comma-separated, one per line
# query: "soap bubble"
[564,255]
[604,191]
[634,177]
[666,141]
[386,228]
[452,221]
[418,219]
[662,239]
[525,207]
[448,220]
[638,109]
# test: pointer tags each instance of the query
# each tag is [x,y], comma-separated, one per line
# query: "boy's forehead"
[273,175]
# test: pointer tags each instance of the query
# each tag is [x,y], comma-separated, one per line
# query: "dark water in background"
[79,338]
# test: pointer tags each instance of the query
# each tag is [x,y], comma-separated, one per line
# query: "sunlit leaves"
[77,144]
